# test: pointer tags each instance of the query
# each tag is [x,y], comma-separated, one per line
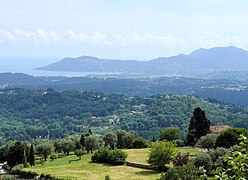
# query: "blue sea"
[28,66]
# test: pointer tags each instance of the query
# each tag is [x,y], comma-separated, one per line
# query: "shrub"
[107,177]
[8,177]
[117,157]
[100,155]
[161,153]
[47,176]
[79,153]
[17,170]
[181,159]
[53,156]
[185,172]
[230,137]
[205,161]
[104,155]
[217,156]
[140,143]
[218,152]
[207,141]
[179,142]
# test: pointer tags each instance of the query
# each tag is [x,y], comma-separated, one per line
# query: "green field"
[84,169]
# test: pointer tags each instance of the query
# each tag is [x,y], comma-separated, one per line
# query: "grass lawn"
[141,155]
[84,169]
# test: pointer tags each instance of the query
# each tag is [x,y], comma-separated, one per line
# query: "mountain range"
[198,62]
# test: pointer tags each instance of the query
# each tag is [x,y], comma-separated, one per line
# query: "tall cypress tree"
[199,126]
[31,156]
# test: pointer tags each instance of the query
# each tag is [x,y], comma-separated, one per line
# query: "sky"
[119,29]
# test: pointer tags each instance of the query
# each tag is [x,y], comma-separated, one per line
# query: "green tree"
[110,140]
[161,153]
[68,145]
[140,143]
[83,136]
[169,134]
[15,153]
[120,134]
[128,139]
[199,126]
[79,153]
[44,149]
[90,143]
[31,156]
[230,137]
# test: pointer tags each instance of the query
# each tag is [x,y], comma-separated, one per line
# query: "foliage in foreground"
[161,153]
[237,163]
[181,159]
[205,161]
[185,172]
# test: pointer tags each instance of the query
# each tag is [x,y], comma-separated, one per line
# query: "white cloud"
[7,36]
[42,36]
[30,36]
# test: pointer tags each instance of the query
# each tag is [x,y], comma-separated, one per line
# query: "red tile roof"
[216,129]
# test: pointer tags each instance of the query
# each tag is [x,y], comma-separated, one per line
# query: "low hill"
[198,62]
[25,115]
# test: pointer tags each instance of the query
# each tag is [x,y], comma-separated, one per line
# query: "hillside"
[227,90]
[198,62]
[25,115]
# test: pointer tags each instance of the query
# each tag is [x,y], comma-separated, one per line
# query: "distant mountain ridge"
[198,62]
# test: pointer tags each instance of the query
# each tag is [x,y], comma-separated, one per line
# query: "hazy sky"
[121,29]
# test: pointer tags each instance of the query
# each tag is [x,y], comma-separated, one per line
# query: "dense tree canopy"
[31,114]
[199,126]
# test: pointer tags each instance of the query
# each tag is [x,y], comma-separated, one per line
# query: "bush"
[161,153]
[140,143]
[218,152]
[79,153]
[47,176]
[181,159]
[17,169]
[8,177]
[230,137]
[107,177]
[185,172]
[179,142]
[217,156]
[205,161]
[117,157]
[100,155]
[53,156]
[104,155]
[207,141]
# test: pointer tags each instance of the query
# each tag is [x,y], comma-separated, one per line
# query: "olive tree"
[161,153]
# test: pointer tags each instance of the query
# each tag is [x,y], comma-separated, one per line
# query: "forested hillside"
[25,115]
